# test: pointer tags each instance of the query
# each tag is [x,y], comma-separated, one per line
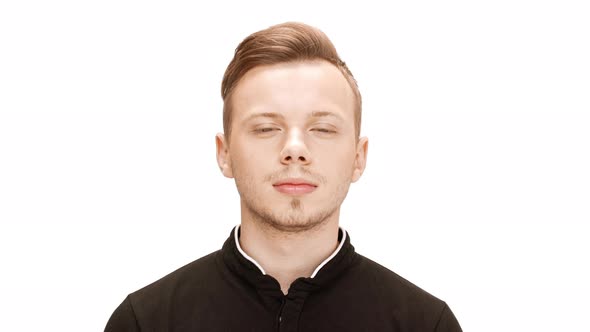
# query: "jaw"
[294,219]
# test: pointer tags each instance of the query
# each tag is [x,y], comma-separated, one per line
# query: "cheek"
[249,164]
[335,162]
[253,152]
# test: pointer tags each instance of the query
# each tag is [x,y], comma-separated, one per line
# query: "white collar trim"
[245,254]
[314,272]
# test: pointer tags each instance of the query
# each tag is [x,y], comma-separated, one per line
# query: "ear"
[360,161]
[223,157]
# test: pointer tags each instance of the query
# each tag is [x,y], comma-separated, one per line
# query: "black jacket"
[225,291]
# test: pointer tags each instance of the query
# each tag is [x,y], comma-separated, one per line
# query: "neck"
[286,255]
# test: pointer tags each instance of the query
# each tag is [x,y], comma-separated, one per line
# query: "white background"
[477,187]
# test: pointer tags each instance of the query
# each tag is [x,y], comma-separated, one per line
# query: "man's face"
[293,149]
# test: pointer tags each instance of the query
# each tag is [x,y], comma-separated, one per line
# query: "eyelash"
[268,130]
[264,130]
[323,130]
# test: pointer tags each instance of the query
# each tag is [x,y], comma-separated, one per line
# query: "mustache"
[301,173]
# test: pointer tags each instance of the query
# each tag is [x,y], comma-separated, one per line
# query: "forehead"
[293,89]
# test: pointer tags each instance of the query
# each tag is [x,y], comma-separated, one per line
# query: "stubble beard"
[294,219]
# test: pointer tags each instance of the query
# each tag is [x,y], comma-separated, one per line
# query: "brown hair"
[286,42]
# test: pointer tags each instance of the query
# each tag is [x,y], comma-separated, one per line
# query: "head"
[291,118]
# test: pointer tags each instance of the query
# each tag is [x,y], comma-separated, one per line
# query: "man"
[291,118]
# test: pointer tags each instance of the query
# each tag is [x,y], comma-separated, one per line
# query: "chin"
[289,214]
[297,221]
[294,226]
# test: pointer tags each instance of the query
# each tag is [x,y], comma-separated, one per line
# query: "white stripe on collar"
[332,255]
[314,272]
[243,253]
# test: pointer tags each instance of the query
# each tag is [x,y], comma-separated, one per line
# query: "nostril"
[289,158]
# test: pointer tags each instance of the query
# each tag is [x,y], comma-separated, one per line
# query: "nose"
[295,150]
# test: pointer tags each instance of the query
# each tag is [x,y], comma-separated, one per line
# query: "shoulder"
[201,269]
[154,303]
[398,297]
[151,306]
[392,284]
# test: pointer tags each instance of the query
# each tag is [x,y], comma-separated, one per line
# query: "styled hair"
[281,43]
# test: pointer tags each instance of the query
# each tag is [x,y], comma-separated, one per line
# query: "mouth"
[295,186]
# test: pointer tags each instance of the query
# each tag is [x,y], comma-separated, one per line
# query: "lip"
[295,186]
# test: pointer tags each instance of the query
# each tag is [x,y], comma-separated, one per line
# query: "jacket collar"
[247,269]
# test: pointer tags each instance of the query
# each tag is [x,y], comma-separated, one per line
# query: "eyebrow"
[317,114]
[265,115]
[314,114]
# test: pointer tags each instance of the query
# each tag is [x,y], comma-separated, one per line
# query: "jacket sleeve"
[447,321]
[123,319]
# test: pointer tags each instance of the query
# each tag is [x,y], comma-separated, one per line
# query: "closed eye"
[265,130]
[324,130]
